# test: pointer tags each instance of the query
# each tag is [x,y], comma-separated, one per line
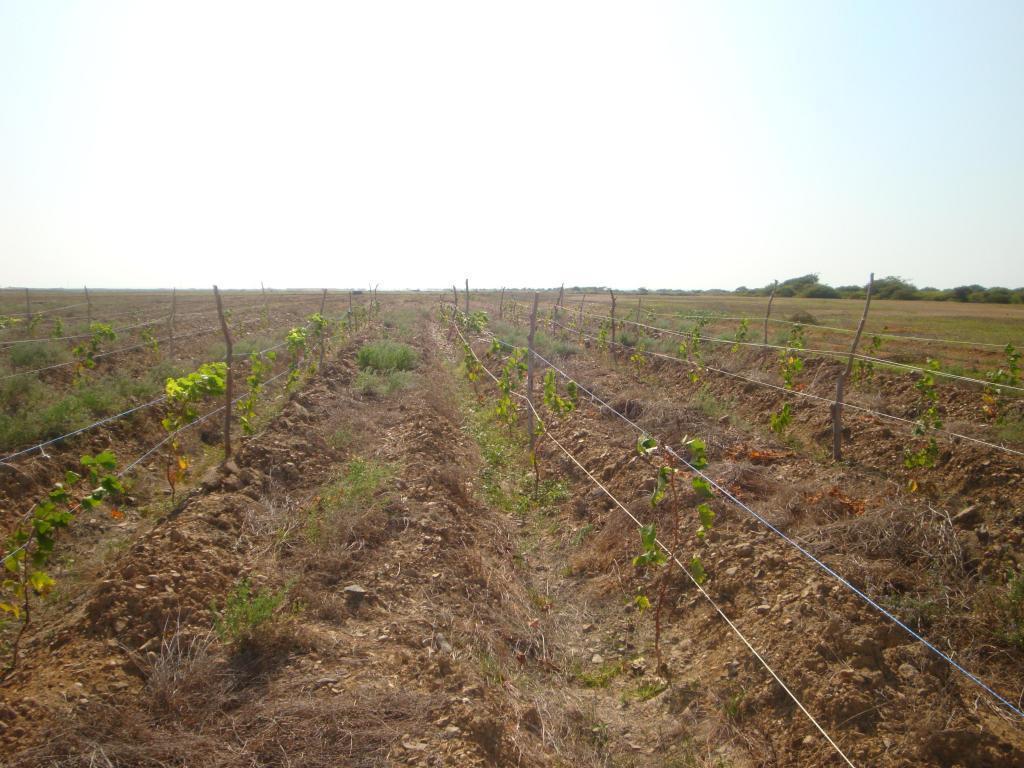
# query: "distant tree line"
[808,286]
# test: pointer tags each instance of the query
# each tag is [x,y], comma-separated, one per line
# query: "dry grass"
[186,678]
[358,729]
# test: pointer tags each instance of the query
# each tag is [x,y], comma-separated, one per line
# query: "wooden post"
[561,294]
[467,295]
[614,350]
[580,321]
[529,382]
[170,320]
[639,305]
[351,317]
[455,296]
[767,314]
[837,407]
[266,310]
[88,304]
[501,305]
[323,332]
[28,311]
[229,393]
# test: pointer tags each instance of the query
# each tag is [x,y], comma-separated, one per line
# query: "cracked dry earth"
[440,613]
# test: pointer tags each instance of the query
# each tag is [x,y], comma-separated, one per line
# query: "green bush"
[36,355]
[246,613]
[386,356]
[381,384]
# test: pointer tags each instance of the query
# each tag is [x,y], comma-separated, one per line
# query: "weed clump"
[386,357]
[1010,606]
[248,615]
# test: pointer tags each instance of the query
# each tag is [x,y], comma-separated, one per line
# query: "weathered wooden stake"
[639,305]
[467,295]
[529,384]
[351,316]
[266,310]
[170,320]
[88,305]
[323,333]
[837,407]
[229,393]
[579,322]
[28,310]
[561,294]
[615,354]
[455,296]
[767,314]
[501,304]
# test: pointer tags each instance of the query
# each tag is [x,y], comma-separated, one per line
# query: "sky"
[417,144]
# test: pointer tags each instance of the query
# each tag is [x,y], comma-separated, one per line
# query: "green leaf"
[702,487]
[697,570]
[106,459]
[661,486]
[706,515]
[58,495]
[111,484]
[649,536]
[41,581]
[71,478]
[641,602]
[698,453]
[646,445]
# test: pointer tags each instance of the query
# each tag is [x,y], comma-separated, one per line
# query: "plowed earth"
[439,613]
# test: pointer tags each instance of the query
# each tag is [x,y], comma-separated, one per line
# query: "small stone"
[597,658]
[233,483]
[441,644]
[355,594]
[906,671]
[969,517]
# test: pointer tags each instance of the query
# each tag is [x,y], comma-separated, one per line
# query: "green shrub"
[36,355]
[386,356]
[381,384]
[246,613]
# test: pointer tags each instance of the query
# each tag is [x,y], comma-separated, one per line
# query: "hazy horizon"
[691,146]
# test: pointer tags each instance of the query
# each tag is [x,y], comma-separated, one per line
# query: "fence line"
[818,352]
[142,310]
[152,449]
[807,554]
[819,326]
[39,446]
[827,400]
[682,567]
